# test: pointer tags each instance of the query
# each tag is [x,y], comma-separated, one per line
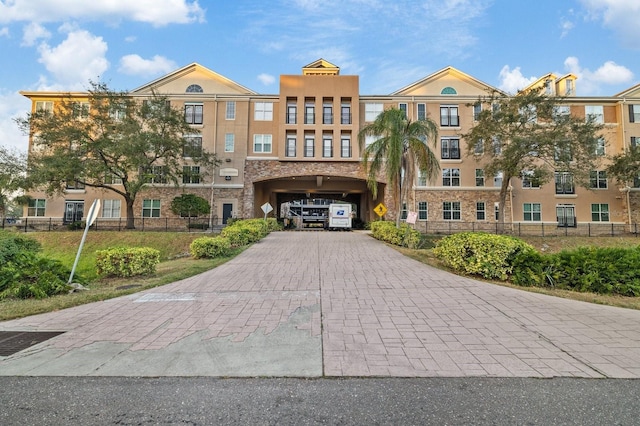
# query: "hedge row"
[587,269]
[25,274]
[236,234]
[127,261]
[387,231]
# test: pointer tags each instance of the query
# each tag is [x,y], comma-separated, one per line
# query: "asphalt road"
[353,401]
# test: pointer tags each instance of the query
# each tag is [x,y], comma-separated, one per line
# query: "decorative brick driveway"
[308,304]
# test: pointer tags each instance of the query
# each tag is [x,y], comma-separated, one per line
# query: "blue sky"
[63,44]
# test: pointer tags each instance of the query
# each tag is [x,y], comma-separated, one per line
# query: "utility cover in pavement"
[15,341]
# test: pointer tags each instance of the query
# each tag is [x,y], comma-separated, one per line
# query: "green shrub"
[387,231]
[602,270]
[24,274]
[210,247]
[490,256]
[127,261]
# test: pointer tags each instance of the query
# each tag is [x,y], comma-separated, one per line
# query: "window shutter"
[631,114]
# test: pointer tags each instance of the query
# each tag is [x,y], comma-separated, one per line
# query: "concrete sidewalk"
[312,304]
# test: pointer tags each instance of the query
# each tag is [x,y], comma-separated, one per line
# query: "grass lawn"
[176,264]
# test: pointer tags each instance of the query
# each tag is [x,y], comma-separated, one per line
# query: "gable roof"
[447,72]
[632,92]
[224,85]
[321,66]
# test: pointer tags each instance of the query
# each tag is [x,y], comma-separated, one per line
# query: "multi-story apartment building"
[302,144]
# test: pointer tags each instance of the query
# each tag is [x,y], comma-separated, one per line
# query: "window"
[192,147]
[600,144]
[595,113]
[156,174]
[263,111]
[478,148]
[36,207]
[569,88]
[564,183]
[635,141]
[634,113]
[450,148]
[451,210]
[421,179]
[345,146]
[600,212]
[423,212]
[497,180]
[112,179]
[327,146]
[345,114]
[422,111]
[74,184]
[548,88]
[403,107]
[481,210]
[477,109]
[292,110]
[496,145]
[290,150]
[562,154]
[194,88]
[309,143]
[598,179]
[110,208]
[261,143]
[309,114]
[190,174]
[532,212]
[636,181]
[566,215]
[118,112]
[372,111]
[231,110]
[561,112]
[369,139]
[496,210]
[44,107]
[229,142]
[451,177]
[479,177]
[80,110]
[151,208]
[403,213]
[327,114]
[449,116]
[529,179]
[193,113]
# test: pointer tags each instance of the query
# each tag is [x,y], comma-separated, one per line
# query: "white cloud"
[266,79]
[621,16]
[130,39]
[591,82]
[155,12]
[566,27]
[33,32]
[4,32]
[512,80]
[76,60]
[136,65]
[12,106]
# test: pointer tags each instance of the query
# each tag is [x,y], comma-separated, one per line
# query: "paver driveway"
[312,304]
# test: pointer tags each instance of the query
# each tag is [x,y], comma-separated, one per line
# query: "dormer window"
[448,91]
[194,88]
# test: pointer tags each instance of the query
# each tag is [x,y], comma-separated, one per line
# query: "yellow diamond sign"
[380,210]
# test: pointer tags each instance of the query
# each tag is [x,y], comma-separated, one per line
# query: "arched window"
[194,88]
[448,91]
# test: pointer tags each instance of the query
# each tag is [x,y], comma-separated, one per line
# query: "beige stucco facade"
[302,143]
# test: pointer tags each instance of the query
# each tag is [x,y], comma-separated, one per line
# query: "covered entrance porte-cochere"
[318,190]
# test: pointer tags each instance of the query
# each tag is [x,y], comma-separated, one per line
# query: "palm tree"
[401,148]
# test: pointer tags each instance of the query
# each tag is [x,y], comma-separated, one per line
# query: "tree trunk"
[130,215]
[503,199]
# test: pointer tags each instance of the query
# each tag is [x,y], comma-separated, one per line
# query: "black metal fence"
[531,229]
[174,224]
[178,224]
